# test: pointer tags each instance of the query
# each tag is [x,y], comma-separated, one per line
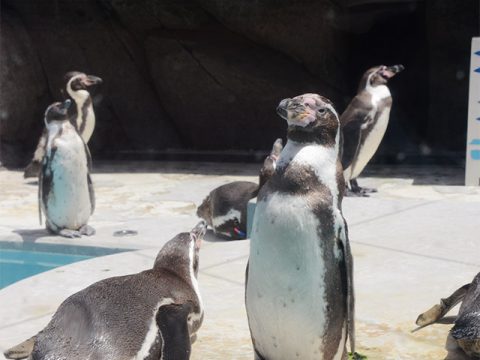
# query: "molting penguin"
[365,121]
[299,286]
[65,190]
[463,341]
[77,85]
[154,314]
[225,208]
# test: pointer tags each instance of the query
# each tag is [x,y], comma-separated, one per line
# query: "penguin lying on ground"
[463,342]
[364,123]
[77,85]
[65,190]
[154,314]
[299,285]
[225,208]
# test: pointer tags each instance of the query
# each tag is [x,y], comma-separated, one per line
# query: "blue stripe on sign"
[477,53]
[477,70]
[475,142]
[478,119]
[475,154]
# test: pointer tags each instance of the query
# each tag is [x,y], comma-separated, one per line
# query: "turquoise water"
[20,260]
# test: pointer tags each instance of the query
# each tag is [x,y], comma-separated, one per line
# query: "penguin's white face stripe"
[153,330]
[79,95]
[232,214]
[193,279]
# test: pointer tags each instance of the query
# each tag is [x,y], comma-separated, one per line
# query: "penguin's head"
[311,115]
[57,112]
[204,211]
[78,83]
[181,254]
[379,75]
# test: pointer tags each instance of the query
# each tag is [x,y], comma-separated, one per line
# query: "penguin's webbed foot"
[356,190]
[430,316]
[87,230]
[70,233]
[351,193]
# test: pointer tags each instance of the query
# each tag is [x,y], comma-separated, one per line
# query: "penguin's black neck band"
[320,136]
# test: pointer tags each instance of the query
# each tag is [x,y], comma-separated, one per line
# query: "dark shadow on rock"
[421,175]
[177,167]
[31,235]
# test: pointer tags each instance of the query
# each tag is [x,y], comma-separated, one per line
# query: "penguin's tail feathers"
[22,350]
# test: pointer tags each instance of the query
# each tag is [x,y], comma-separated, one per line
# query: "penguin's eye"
[322,111]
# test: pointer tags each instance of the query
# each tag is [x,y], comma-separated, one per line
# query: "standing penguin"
[364,123]
[225,208]
[76,86]
[154,314]
[65,190]
[463,342]
[299,286]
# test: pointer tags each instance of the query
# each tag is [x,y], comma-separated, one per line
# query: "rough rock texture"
[312,32]
[223,90]
[208,74]
[21,107]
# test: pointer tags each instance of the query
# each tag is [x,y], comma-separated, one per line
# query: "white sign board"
[472,171]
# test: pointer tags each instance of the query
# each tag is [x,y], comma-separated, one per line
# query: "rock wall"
[208,74]
[176,74]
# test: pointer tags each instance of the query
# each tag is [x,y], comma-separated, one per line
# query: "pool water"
[21,260]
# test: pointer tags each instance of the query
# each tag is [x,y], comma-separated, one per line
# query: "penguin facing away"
[299,286]
[463,342]
[154,314]
[77,85]
[65,189]
[364,123]
[225,207]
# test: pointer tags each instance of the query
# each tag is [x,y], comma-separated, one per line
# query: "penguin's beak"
[198,232]
[92,80]
[391,71]
[65,105]
[282,109]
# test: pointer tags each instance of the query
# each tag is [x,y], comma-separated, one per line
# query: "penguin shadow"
[30,236]
[32,182]
[210,236]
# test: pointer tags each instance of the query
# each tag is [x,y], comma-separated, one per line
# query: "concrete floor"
[415,241]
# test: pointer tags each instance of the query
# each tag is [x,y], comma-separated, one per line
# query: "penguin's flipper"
[172,321]
[353,120]
[45,181]
[89,179]
[436,312]
[21,351]
[40,185]
[348,263]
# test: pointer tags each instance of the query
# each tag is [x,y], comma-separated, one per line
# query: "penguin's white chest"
[286,290]
[68,202]
[374,137]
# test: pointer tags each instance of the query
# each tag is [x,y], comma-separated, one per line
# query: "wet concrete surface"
[414,241]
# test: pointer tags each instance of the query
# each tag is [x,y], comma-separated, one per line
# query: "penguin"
[154,314]
[299,285]
[225,208]
[65,190]
[76,86]
[463,341]
[364,123]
